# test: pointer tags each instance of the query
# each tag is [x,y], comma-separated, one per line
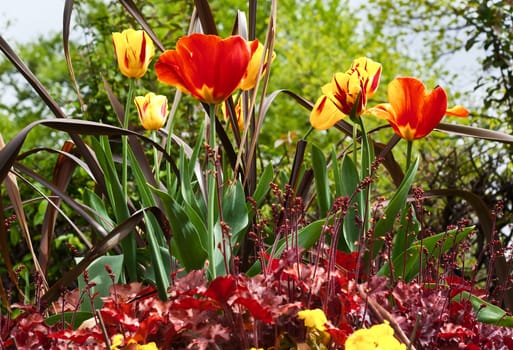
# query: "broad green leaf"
[406,232]
[234,209]
[407,264]
[73,318]
[186,244]
[321,181]
[159,265]
[98,275]
[262,187]
[336,174]
[485,311]
[396,204]
[100,212]
[236,217]
[349,181]
[117,200]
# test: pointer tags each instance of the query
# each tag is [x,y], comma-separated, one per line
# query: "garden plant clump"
[189,232]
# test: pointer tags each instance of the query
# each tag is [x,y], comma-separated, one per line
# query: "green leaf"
[73,318]
[396,204]
[234,209]
[349,182]
[486,312]
[262,187]
[97,274]
[336,174]
[321,181]
[406,232]
[161,273]
[117,200]
[236,216]
[407,264]
[186,244]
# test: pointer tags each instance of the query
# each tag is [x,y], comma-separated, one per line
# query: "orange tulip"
[206,66]
[134,52]
[152,110]
[250,78]
[340,95]
[412,112]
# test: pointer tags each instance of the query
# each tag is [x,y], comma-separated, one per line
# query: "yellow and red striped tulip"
[340,96]
[134,52]
[152,110]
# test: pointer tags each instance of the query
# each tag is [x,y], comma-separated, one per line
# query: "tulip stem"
[307,133]
[129,244]
[408,154]
[211,181]
[355,145]
[155,158]
[124,138]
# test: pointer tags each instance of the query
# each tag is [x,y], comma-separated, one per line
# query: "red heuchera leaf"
[340,334]
[187,302]
[257,311]
[79,336]
[222,288]
[347,261]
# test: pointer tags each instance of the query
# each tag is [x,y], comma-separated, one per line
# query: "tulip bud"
[152,110]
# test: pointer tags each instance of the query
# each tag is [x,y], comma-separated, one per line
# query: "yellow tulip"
[152,110]
[249,80]
[134,52]
[340,96]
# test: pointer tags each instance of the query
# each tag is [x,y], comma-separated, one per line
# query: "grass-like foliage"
[196,238]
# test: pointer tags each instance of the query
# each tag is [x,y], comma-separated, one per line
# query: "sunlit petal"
[325,114]
[457,111]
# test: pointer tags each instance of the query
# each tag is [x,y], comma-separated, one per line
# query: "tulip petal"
[432,111]
[457,111]
[325,114]
[169,72]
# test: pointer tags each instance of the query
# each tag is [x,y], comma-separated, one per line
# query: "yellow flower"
[152,110]
[340,96]
[118,340]
[134,52]
[315,319]
[378,337]
[249,80]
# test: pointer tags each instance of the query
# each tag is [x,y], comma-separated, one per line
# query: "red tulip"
[206,66]
[412,112]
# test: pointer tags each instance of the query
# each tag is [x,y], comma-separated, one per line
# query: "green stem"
[124,139]
[128,245]
[211,180]
[355,146]
[155,158]
[408,154]
[307,133]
